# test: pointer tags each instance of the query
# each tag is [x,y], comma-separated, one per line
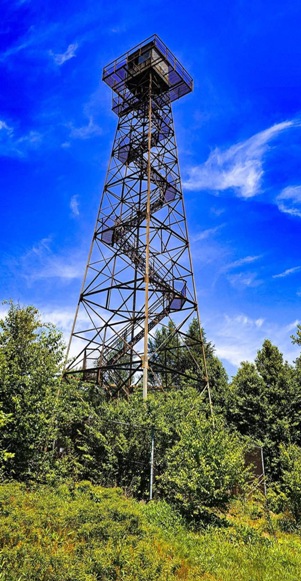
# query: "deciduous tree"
[30,357]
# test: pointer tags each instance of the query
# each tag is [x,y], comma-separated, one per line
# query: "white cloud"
[241,262]
[34,41]
[293,326]
[206,233]
[287,272]
[56,267]
[289,200]
[242,280]
[14,50]
[6,128]
[12,144]
[240,167]
[31,138]
[40,262]
[238,337]
[41,247]
[61,58]
[74,206]
[63,320]
[85,131]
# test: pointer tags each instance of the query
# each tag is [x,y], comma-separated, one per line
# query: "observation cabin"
[129,75]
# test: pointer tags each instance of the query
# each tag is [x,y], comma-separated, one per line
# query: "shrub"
[203,468]
[291,479]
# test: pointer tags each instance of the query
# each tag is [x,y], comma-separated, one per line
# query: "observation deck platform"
[128,75]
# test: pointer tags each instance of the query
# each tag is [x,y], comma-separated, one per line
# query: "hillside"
[87,533]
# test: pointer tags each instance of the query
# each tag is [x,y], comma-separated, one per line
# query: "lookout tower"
[138,296]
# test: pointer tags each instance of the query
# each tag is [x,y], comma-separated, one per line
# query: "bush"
[203,468]
[291,480]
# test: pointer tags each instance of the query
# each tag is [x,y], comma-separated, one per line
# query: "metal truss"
[138,296]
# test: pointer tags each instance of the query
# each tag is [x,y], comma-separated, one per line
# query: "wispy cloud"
[40,262]
[85,131]
[35,41]
[241,262]
[242,280]
[5,128]
[293,326]
[238,337]
[63,319]
[61,58]
[287,272]
[240,167]
[14,144]
[15,49]
[289,201]
[40,248]
[74,205]
[206,233]
[56,267]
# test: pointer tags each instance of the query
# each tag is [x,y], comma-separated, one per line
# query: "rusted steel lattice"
[138,296]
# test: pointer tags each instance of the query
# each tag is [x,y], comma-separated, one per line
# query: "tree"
[217,375]
[203,468]
[264,403]
[297,338]
[184,353]
[30,358]
[166,359]
[247,404]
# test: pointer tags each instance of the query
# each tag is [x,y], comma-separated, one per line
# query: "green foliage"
[52,430]
[166,349]
[60,430]
[203,468]
[4,454]
[185,354]
[297,338]
[88,533]
[247,406]
[218,379]
[197,465]
[30,357]
[291,480]
[83,533]
[265,404]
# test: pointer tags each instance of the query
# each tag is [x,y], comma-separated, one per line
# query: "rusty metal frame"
[139,274]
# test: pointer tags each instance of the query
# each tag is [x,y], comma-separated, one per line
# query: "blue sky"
[239,139]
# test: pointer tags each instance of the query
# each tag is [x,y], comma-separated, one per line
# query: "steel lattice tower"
[139,277]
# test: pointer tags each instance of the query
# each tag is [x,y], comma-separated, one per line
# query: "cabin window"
[143,57]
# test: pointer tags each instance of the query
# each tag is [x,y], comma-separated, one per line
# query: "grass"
[87,533]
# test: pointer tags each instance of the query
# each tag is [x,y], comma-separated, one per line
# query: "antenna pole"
[147,241]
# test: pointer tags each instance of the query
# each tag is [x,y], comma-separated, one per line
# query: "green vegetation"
[86,533]
[67,455]
[30,354]
[264,403]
